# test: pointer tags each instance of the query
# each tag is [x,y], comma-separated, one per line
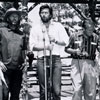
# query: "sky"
[33,15]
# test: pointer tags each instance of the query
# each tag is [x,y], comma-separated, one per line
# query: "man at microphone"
[54,36]
[82,47]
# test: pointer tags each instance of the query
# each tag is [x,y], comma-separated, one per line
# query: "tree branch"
[74,7]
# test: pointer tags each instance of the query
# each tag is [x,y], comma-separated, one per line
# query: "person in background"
[55,38]
[82,47]
[11,51]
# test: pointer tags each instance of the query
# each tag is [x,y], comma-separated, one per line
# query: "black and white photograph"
[50,50]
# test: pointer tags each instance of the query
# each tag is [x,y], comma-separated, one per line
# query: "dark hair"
[46,7]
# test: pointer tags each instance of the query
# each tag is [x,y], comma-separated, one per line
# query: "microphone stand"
[45,67]
[51,73]
[50,64]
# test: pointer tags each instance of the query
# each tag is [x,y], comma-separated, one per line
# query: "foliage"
[64,10]
[7,5]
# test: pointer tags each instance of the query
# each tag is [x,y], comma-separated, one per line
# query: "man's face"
[14,18]
[45,15]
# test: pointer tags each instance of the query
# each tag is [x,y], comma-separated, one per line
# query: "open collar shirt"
[39,32]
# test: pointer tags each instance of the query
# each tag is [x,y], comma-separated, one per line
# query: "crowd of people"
[47,39]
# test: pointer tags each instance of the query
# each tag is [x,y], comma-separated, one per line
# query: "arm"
[41,48]
[62,43]
[98,44]
[2,66]
[63,36]
[69,48]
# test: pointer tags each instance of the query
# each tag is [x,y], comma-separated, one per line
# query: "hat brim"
[11,12]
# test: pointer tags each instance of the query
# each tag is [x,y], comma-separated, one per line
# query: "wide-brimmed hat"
[10,11]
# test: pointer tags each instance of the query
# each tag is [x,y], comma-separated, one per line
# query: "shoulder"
[35,27]
[3,29]
[59,27]
[57,24]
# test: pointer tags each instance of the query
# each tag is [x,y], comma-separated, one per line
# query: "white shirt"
[55,30]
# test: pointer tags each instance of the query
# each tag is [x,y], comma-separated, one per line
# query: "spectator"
[83,48]
[11,59]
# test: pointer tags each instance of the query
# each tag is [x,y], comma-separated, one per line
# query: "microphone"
[43,31]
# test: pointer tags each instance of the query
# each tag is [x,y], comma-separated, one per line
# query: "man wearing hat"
[11,59]
[82,48]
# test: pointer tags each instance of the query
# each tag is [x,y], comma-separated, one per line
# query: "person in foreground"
[82,47]
[11,59]
[55,36]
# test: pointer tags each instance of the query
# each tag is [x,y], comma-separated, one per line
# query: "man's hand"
[52,39]
[50,47]
[85,54]
[3,67]
[78,52]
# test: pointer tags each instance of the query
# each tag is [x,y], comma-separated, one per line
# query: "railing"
[33,77]
[66,83]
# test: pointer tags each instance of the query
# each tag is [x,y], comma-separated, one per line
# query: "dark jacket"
[11,45]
